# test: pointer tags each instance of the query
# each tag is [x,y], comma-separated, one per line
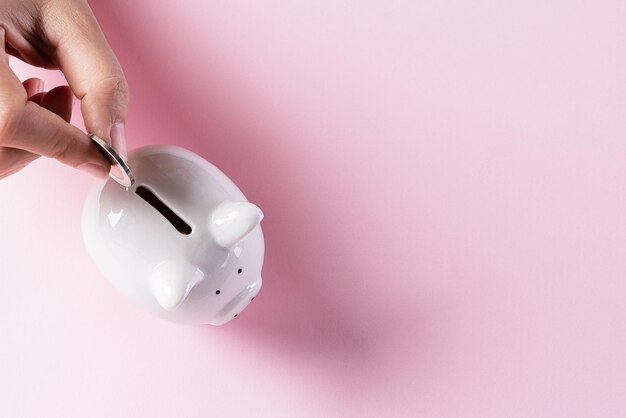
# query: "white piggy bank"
[182,241]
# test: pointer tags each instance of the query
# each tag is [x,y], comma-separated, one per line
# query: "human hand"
[61,34]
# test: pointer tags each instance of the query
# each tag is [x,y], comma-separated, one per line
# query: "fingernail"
[118,139]
[39,85]
[94,170]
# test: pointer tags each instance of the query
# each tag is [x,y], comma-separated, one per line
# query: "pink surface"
[443,184]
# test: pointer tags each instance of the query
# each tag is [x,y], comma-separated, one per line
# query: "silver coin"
[120,172]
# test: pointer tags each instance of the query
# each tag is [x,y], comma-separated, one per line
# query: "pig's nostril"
[239,271]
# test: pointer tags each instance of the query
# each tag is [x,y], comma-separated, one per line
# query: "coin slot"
[154,201]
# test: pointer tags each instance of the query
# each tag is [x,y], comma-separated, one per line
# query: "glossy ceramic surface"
[182,241]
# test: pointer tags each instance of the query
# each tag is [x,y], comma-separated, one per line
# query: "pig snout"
[238,303]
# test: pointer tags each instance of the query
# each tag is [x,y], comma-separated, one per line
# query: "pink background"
[443,184]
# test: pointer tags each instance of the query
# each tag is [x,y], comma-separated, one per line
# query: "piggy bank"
[183,241]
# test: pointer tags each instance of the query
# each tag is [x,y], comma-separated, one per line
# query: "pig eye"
[218,292]
[239,271]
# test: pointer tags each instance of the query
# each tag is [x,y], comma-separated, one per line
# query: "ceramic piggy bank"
[182,241]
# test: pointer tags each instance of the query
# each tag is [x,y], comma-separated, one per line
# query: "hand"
[61,34]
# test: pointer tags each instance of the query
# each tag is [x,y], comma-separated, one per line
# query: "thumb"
[93,73]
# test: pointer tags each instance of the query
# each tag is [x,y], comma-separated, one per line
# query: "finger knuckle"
[61,149]
[115,86]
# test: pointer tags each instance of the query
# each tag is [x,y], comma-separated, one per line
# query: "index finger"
[90,67]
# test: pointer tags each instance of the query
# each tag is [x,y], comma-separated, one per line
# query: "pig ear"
[231,221]
[172,281]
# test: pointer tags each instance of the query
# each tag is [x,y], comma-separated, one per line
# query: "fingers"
[43,132]
[13,159]
[59,101]
[33,86]
[23,35]
[37,98]
[93,72]
[27,126]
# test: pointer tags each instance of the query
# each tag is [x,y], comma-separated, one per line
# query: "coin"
[120,172]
